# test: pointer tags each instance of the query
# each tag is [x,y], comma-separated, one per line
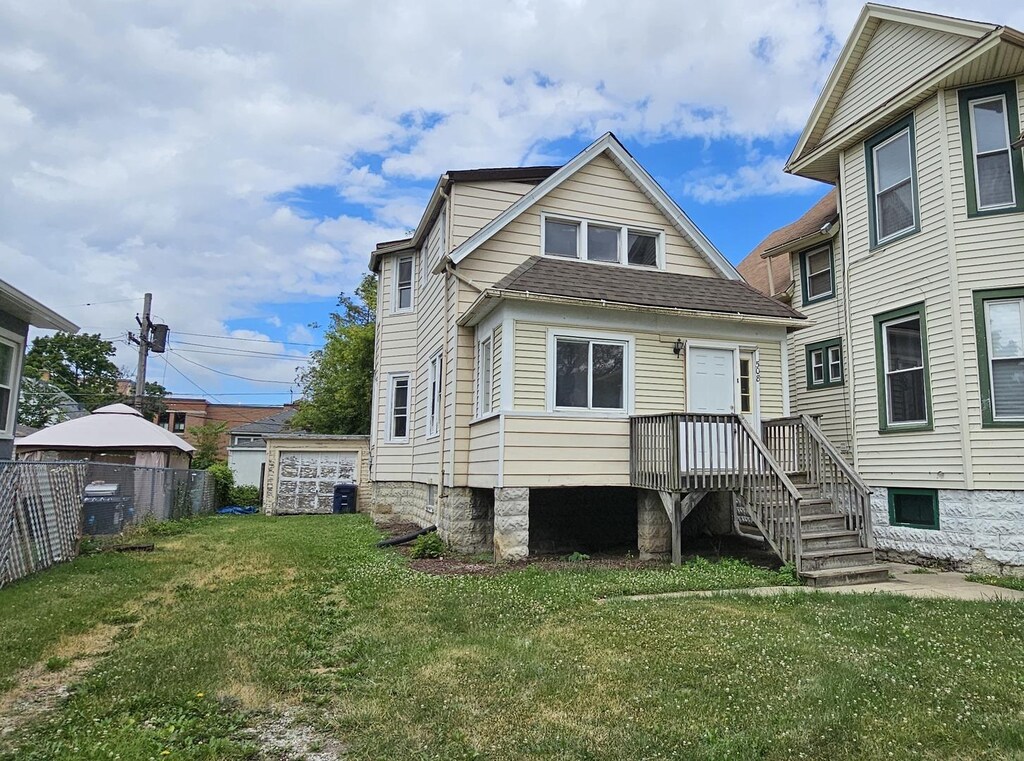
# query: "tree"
[338,381]
[206,440]
[79,365]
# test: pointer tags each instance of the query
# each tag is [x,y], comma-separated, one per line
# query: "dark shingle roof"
[275,423]
[509,174]
[632,285]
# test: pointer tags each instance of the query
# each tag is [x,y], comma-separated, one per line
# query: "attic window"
[602,242]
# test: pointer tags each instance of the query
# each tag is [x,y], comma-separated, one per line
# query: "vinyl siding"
[496,369]
[897,56]
[566,451]
[483,453]
[474,204]
[598,191]
[911,270]
[989,254]
[830,403]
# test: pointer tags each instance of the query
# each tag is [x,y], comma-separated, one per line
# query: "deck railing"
[799,445]
[694,451]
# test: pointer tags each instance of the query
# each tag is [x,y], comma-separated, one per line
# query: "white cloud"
[764,177]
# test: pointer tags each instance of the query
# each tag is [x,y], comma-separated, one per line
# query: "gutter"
[496,295]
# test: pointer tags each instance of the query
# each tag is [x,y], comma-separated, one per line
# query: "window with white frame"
[7,369]
[485,375]
[398,408]
[589,374]
[601,242]
[824,364]
[904,369]
[990,141]
[403,284]
[893,191]
[1004,329]
[818,277]
[434,393]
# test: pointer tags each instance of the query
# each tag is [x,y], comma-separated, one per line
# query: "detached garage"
[302,469]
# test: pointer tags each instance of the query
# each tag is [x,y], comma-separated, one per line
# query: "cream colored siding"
[897,56]
[496,369]
[598,191]
[484,453]
[474,204]
[911,270]
[770,358]
[830,403]
[566,451]
[528,388]
[989,254]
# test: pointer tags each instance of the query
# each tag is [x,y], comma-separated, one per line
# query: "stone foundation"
[653,528]
[980,531]
[404,501]
[511,524]
[466,519]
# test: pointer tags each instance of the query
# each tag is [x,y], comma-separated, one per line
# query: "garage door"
[305,480]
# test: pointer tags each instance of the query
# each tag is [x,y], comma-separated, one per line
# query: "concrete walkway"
[937,585]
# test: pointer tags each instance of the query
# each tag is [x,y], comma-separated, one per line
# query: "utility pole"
[140,373]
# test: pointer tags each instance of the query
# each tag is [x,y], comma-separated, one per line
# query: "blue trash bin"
[344,498]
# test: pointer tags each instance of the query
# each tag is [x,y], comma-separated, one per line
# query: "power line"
[98,303]
[232,375]
[239,338]
[296,360]
[179,372]
[242,352]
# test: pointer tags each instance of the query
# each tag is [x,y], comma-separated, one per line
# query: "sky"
[239,159]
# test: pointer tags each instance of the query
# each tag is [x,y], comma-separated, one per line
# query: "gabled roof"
[637,288]
[609,144]
[979,37]
[27,309]
[275,423]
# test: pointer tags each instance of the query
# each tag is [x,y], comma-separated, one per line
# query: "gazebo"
[115,434]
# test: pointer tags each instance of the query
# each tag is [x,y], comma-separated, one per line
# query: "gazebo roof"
[116,426]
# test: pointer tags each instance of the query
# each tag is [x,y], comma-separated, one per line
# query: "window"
[7,369]
[431,497]
[599,242]
[993,172]
[164,420]
[403,283]
[825,364]
[891,183]
[589,374]
[241,440]
[817,274]
[398,408]
[434,395]
[178,424]
[901,351]
[914,508]
[999,319]
[484,375]
[746,385]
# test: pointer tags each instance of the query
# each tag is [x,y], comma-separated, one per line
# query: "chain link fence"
[46,507]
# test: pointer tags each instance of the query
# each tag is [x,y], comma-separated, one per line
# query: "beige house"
[564,361]
[916,357]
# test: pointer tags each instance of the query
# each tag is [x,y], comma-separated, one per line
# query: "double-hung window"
[816,270]
[434,395]
[902,357]
[993,171]
[398,408]
[999,318]
[8,367]
[485,375]
[601,242]
[825,364]
[403,284]
[892,183]
[589,374]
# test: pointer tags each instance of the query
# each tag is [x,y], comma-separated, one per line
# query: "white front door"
[712,381]
[708,445]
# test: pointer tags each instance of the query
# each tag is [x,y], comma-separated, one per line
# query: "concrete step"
[815,506]
[820,560]
[831,539]
[821,522]
[835,577]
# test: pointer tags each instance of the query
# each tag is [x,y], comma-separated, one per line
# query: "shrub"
[428,546]
[244,496]
[576,557]
[223,480]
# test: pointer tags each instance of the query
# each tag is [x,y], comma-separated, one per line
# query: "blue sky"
[239,160]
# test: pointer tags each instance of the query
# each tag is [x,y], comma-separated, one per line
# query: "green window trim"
[884,426]
[984,367]
[831,271]
[895,492]
[828,381]
[1009,91]
[906,123]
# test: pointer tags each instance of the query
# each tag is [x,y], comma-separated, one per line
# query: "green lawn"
[240,618]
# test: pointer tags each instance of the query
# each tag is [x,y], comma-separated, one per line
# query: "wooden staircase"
[791,487]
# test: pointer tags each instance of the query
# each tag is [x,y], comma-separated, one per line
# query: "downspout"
[446,357]
[851,380]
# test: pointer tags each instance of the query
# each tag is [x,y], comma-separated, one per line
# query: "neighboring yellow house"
[564,361]
[917,291]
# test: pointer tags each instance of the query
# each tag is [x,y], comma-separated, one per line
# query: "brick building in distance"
[184,413]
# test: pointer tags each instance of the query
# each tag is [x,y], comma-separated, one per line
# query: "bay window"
[589,374]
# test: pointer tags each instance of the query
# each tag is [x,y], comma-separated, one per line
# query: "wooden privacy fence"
[40,515]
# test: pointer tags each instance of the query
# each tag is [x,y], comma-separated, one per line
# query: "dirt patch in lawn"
[284,736]
[40,687]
